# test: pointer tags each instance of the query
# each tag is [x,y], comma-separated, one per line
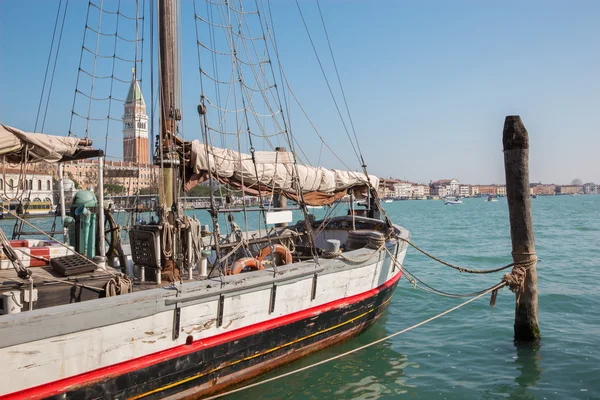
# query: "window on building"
[11,184]
[1,184]
[48,185]
[39,184]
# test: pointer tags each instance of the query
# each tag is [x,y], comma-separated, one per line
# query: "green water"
[470,354]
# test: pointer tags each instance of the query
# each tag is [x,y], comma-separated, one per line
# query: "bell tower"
[135,125]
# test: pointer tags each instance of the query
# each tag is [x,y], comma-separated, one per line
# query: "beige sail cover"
[231,166]
[14,143]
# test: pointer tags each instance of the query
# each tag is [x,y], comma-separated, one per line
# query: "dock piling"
[515,140]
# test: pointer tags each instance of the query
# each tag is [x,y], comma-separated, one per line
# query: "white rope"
[410,328]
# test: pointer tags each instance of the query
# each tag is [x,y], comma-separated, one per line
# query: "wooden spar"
[279,200]
[516,165]
[169,93]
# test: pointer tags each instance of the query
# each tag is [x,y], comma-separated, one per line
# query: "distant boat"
[491,199]
[314,207]
[450,201]
[388,200]
[574,194]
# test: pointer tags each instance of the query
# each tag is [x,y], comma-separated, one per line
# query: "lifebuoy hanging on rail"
[246,262]
[281,250]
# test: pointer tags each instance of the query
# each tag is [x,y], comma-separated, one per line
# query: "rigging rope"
[356,151]
[48,63]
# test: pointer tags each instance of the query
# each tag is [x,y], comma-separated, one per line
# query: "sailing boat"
[186,328]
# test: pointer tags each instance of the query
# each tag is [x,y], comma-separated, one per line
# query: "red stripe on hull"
[232,379]
[57,387]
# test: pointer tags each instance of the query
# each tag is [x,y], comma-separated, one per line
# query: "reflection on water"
[366,376]
[528,364]
[376,372]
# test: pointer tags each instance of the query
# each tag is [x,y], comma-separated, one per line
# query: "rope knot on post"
[516,278]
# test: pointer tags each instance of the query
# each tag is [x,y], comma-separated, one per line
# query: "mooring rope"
[524,264]
[514,280]
[496,287]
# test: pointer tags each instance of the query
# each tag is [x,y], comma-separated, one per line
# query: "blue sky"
[428,82]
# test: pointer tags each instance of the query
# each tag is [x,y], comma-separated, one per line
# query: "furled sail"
[276,172]
[19,146]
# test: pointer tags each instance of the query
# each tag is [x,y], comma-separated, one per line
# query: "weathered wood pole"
[516,165]
[279,200]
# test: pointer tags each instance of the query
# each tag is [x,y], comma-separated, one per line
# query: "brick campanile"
[135,126]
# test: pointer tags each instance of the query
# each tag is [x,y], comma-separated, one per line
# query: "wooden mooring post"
[516,165]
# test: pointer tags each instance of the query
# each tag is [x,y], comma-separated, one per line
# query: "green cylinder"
[84,231]
[91,241]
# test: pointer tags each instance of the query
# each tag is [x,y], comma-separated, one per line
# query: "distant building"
[488,190]
[464,190]
[34,186]
[474,190]
[569,189]
[444,187]
[130,176]
[420,191]
[386,187]
[135,126]
[590,188]
[403,190]
[426,190]
[501,190]
[540,189]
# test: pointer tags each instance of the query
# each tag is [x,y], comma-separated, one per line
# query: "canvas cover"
[15,144]
[319,185]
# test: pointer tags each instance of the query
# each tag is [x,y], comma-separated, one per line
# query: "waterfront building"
[569,189]
[540,189]
[419,191]
[426,190]
[403,190]
[501,190]
[445,187]
[386,187]
[488,190]
[590,188]
[31,185]
[474,190]
[464,190]
[130,176]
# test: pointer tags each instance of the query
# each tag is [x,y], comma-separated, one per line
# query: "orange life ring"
[286,255]
[246,262]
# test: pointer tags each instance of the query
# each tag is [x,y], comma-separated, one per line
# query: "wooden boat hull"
[213,335]
[199,369]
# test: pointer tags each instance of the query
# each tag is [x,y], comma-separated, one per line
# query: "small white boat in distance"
[491,199]
[449,201]
[388,200]
[314,207]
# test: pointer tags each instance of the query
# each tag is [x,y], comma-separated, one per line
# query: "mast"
[169,96]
